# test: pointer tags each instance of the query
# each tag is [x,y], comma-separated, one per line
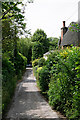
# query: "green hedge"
[64,87]
[42,73]
[35,62]
[8,81]
[20,63]
[61,78]
[44,79]
[41,62]
[9,76]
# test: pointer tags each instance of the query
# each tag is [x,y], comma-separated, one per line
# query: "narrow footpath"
[28,103]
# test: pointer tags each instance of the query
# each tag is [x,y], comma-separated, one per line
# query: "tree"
[12,24]
[13,62]
[25,48]
[14,14]
[53,43]
[42,43]
[37,50]
[12,27]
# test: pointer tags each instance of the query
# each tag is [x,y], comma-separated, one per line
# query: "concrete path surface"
[28,103]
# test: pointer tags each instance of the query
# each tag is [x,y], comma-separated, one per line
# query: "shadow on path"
[28,103]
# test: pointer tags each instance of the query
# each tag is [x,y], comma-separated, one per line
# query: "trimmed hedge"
[35,62]
[64,87]
[61,78]
[9,76]
[44,79]
[42,73]
[41,62]
[20,63]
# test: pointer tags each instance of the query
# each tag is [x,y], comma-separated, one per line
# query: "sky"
[49,15]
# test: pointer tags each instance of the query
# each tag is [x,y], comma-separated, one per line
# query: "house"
[45,56]
[69,36]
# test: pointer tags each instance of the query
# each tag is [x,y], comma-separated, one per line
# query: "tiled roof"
[70,37]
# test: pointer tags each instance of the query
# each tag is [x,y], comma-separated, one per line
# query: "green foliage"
[39,36]
[8,66]
[12,13]
[60,78]
[41,62]
[53,43]
[20,63]
[25,48]
[8,81]
[44,79]
[7,36]
[39,69]
[64,88]
[11,71]
[13,62]
[41,44]
[74,27]
[37,51]
[36,74]
[35,62]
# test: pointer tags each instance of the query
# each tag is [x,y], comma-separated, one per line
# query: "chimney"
[63,23]
[63,30]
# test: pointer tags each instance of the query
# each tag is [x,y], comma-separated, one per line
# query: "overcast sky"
[49,14]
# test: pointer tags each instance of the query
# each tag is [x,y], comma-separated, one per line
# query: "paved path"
[28,103]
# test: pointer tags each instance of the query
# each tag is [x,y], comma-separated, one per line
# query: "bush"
[43,79]
[35,62]
[8,80]
[35,71]
[39,69]
[41,62]
[64,92]
[10,77]
[25,48]
[20,63]
[8,70]
[61,78]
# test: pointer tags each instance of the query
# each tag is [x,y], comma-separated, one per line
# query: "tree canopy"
[41,43]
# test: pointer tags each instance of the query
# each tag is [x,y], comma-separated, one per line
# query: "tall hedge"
[64,88]
[10,75]
[60,76]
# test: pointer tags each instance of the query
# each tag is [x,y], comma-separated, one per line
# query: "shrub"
[25,48]
[41,62]
[35,72]
[8,80]
[61,78]
[20,63]
[44,79]
[7,67]
[52,59]
[39,69]
[9,76]
[35,62]
[64,92]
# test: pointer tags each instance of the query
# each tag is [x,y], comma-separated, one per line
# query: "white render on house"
[45,56]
